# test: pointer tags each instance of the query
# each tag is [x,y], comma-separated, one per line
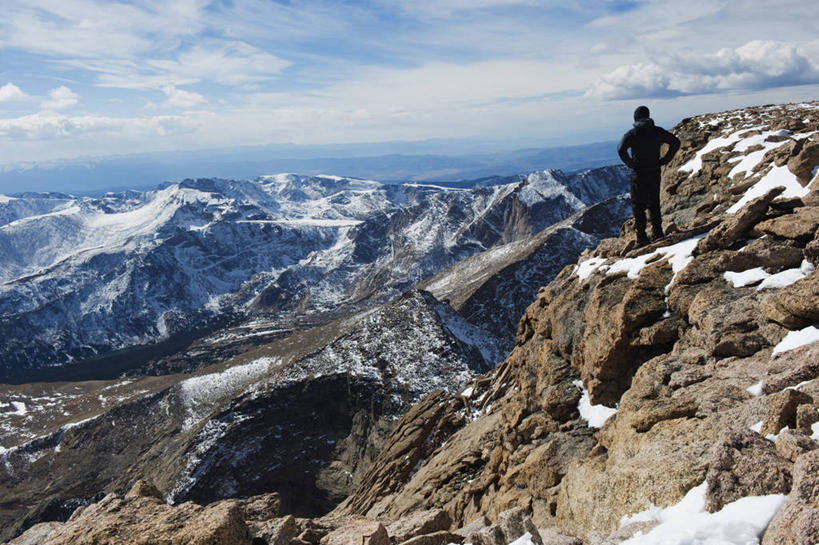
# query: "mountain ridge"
[95,275]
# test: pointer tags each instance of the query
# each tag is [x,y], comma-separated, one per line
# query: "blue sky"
[94,78]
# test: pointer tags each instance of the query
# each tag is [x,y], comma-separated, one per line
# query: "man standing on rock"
[645,141]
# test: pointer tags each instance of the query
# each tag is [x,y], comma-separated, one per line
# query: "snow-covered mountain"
[80,277]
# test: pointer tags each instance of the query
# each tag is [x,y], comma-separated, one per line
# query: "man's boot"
[657,234]
[642,240]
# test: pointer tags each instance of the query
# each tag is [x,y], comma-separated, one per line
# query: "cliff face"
[689,339]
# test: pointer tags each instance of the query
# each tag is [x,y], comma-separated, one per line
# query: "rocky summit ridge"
[684,373]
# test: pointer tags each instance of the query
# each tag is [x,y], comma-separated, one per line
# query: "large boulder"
[745,464]
[146,520]
[797,522]
[361,531]
[734,227]
[804,162]
[419,523]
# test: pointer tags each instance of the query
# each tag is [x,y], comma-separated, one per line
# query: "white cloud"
[60,98]
[756,65]
[98,28]
[227,63]
[445,8]
[53,126]
[9,92]
[181,98]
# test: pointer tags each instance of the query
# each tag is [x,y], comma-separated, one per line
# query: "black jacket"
[644,140]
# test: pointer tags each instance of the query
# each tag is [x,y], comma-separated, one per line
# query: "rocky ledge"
[684,373]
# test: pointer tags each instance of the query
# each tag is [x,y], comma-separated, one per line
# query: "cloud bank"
[758,64]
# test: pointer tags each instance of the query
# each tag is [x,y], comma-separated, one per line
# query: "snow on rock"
[20,408]
[695,164]
[525,539]
[755,390]
[746,163]
[777,176]
[688,523]
[594,415]
[586,268]
[767,280]
[787,277]
[745,278]
[795,339]
[678,255]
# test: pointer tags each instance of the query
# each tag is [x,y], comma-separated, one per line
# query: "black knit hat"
[641,113]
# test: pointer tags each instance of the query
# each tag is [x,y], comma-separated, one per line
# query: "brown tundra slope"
[704,342]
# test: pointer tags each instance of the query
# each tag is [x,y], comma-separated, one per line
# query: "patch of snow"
[525,539]
[815,429]
[431,186]
[744,278]
[585,268]
[5,200]
[795,339]
[594,415]
[773,436]
[755,390]
[199,394]
[747,162]
[468,392]
[19,408]
[803,383]
[786,277]
[695,164]
[777,176]
[688,523]
[308,222]
[678,255]
[756,427]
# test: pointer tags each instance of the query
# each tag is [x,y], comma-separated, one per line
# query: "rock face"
[685,337]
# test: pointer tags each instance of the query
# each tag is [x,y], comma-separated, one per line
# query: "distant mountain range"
[438,161]
[81,277]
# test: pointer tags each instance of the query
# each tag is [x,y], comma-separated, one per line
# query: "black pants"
[645,195]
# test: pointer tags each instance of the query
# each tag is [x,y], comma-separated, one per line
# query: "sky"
[96,78]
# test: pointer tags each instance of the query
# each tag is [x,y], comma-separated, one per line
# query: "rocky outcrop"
[143,520]
[743,464]
[797,523]
[683,337]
